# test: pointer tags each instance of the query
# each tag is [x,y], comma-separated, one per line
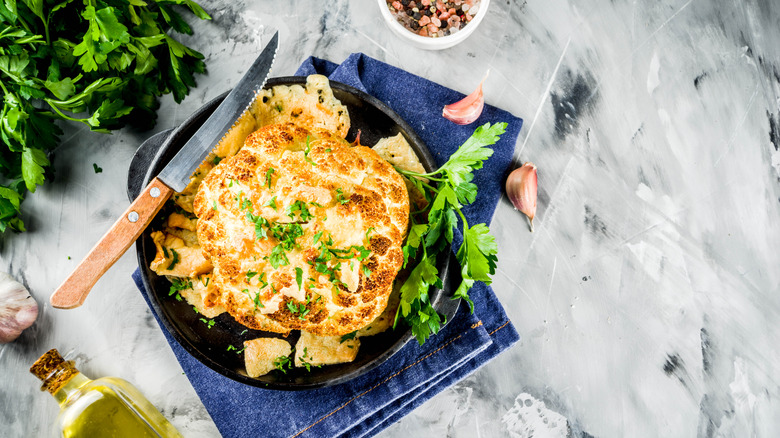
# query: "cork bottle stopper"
[53,370]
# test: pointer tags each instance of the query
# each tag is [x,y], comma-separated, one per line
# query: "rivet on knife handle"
[114,243]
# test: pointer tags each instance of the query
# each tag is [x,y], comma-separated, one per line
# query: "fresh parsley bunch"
[103,63]
[431,233]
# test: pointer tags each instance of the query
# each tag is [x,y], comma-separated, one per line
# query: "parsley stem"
[429,186]
[61,114]
[421,175]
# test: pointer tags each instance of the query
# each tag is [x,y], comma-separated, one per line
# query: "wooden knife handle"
[111,246]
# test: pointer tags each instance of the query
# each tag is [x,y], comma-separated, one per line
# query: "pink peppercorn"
[436,22]
[426,2]
[397,5]
[424,20]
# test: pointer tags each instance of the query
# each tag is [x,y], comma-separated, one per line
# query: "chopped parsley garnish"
[175,260]
[249,274]
[232,348]
[279,107]
[286,234]
[317,237]
[283,363]
[214,205]
[209,322]
[340,196]
[307,362]
[179,284]
[259,222]
[304,311]
[292,307]
[216,160]
[316,204]
[344,254]
[271,203]
[348,337]
[299,277]
[97,168]
[307,150]
[278,257]
[257,301]
[206,282]
[264,283]
[246,204]
[366,271]
[268,176]
[300,208]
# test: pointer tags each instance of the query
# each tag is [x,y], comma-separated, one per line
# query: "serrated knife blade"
[173,178]
[177,173]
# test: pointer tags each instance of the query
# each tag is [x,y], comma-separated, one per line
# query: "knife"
[173,178]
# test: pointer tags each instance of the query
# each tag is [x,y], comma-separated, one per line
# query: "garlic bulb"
[521,190]
[18,310]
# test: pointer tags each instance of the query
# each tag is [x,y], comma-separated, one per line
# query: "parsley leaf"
[33,162]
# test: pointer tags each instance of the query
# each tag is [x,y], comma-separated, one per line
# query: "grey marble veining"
[648,296]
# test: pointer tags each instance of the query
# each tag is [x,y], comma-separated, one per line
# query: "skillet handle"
[111,246]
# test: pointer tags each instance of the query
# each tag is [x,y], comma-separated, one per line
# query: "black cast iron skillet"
[212,346]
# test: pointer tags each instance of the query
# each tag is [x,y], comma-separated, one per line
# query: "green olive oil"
[104,407]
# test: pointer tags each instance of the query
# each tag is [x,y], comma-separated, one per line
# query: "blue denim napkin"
[369,403]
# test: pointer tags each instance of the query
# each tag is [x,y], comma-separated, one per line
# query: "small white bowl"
[431,43]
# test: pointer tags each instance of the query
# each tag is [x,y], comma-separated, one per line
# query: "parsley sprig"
[100,63]
[426,242]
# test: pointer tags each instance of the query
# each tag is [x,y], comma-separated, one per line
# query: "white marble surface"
[647,298]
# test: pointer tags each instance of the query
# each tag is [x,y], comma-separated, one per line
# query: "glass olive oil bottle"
[104,407]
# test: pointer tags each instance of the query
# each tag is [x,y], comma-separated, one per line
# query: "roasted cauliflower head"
[304,231]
